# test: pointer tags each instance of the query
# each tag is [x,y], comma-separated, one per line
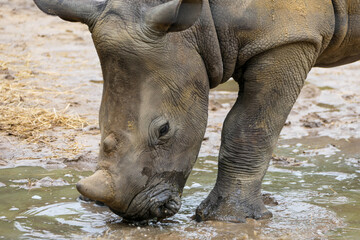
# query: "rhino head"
[153,113]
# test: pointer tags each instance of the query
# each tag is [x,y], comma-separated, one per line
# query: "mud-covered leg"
[268,89]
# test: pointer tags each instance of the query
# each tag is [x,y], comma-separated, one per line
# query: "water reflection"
[317,195]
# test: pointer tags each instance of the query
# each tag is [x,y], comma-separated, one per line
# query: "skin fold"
[160,58]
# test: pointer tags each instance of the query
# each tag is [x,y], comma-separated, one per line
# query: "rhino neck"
[223,14]
[207,43]
[344,46]
[217,37]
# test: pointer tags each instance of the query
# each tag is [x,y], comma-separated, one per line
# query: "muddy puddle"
[315,176]
[316,188]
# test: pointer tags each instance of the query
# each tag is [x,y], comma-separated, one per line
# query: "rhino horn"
[98,187]
[173,16]
[75,11]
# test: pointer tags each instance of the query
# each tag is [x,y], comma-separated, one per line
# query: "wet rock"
[79,158]
[287,123]
[327,151]
[269,200]
[314,120]
[312,124]
[285,161]
[44,182]
[348,97]
[49,182]
[36,197]
[72,104]
[9,77]
[214,105]
[20,181]
[90,128]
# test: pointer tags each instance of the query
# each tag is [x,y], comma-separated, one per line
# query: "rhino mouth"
[158,203]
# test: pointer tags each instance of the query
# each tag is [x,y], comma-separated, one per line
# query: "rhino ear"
[72,10]
[173,16]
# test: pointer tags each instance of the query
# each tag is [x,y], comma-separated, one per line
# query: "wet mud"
[51,64]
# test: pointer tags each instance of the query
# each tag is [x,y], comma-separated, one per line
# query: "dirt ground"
[50,64]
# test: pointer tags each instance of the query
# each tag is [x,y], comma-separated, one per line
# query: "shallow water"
[318,198]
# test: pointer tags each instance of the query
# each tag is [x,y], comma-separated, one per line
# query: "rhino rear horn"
[75,11]
[173,16]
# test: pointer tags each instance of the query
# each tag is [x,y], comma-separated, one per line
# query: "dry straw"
[19,118]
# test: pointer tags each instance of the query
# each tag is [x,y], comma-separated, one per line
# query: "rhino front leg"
[268,89]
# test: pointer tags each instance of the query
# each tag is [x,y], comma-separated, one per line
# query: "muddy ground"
[52,64]
[56,64]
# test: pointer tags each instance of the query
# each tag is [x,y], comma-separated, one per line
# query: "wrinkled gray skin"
[160,58]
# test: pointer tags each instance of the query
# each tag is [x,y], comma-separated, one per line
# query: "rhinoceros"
[159,59]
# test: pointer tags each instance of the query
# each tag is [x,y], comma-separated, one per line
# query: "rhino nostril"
[109,143]
[167,208]
[173,205]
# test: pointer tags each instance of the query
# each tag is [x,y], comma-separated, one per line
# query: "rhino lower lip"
[159,204]
[122,214]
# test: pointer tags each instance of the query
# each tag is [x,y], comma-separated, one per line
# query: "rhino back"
[247,28]
[345,45]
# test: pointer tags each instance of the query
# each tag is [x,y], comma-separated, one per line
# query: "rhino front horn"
[97,187]
[75,11]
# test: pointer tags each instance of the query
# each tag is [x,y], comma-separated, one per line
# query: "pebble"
[195,185]
[37,197]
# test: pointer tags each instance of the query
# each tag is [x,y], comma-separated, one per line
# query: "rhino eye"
[164,129]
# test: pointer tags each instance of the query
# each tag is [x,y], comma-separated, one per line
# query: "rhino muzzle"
[158,200]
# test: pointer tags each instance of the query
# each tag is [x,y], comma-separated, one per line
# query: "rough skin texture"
[159,60]
[269,47]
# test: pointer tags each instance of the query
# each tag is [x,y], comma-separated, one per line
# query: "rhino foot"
[222,207]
